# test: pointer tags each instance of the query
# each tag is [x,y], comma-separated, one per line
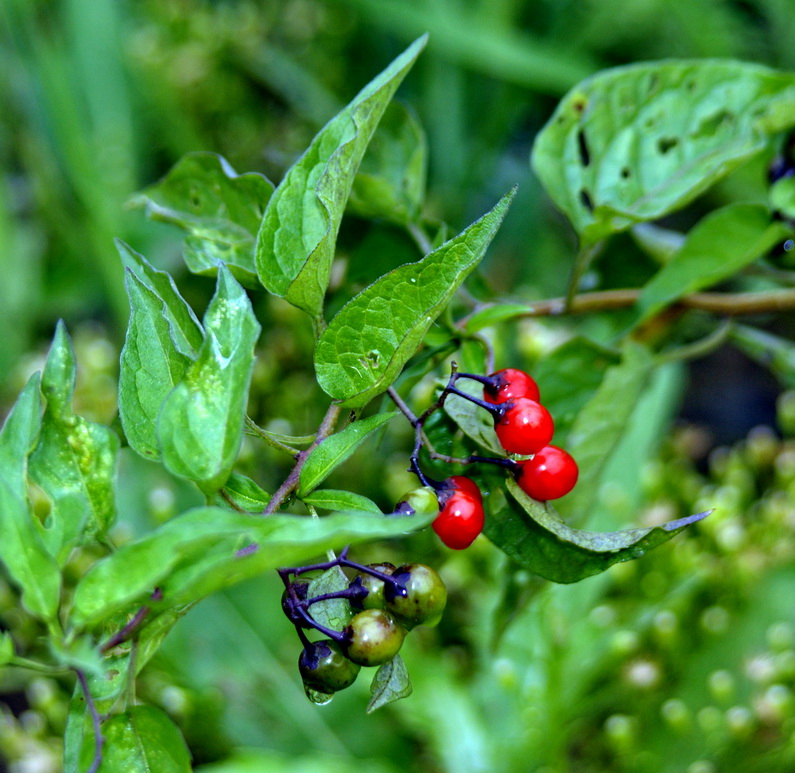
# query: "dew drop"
[317,697]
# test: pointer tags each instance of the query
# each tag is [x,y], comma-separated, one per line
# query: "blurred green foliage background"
[684,661]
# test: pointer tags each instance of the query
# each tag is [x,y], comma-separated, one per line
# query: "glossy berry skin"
[374,597]
[509,384]
[467,485]
[372,638]
[461,518]
[323,667]
[550,474]
[422,501]
[525,427]
[425,598]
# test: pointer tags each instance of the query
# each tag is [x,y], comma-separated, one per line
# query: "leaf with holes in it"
[219,209]
[74,462]
[634,143]
[200,425]
[373,336]
[536,537]
[298,233]
[717,247]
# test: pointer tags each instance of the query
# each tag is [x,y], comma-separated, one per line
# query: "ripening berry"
[508,384]
[461,518]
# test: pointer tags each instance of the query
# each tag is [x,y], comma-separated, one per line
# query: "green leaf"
[333,613]
[200,425]
[493,315]
[151,366]
[390,683]
[219,209]
[717,247]
[366,345]
[335,450]
[475,422]
[186,332]
[569,376]
[209,548]
[141,740]
[296,240]
[74,462]
[603,421]
[634,143]
[536,537]
[245,493]
[769,350]
[331,499]
[390,183]
[6,648]
[658,242]
[19,436]
[80,652]
[782,196]
[22,550]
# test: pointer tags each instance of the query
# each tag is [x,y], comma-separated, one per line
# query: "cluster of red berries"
[524,427]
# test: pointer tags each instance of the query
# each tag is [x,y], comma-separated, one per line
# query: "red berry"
[509,384]
[467,485]
[550,474]
[525,427]
[461,518]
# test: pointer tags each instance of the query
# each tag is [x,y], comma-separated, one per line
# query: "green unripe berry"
[425,597]
[372,637]
[422,501]
[323,667]
[374,598]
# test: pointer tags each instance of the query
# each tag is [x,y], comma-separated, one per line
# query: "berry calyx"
[425,598]
[461,518]
[509,384]
[467,485]
[372,637]
[323,667]
[373,587]
[525,426]
[550,474]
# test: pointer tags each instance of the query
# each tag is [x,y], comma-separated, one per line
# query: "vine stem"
[727,304]
[92,710]
[290,483]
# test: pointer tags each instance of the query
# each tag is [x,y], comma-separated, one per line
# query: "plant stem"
[92,710]
[727,304]
[291,481]
[420,238]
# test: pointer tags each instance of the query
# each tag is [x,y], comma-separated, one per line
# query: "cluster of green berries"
[388,602]
[524,427]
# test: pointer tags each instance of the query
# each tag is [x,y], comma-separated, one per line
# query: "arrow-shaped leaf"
[296,240]
[536,537]
[366,345]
